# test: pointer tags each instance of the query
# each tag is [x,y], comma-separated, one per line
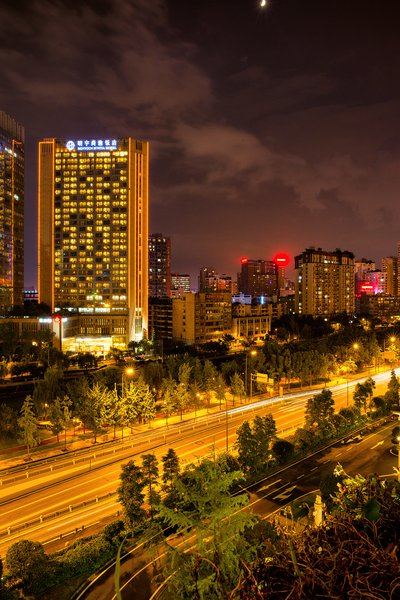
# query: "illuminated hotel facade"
[12,138]
[93,236]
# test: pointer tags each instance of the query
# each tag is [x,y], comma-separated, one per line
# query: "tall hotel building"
[324,282]
[12,138]
[93,234]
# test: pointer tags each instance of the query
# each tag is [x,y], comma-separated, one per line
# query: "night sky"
[271,129]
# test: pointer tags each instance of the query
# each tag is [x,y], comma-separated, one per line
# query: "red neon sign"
[282,259]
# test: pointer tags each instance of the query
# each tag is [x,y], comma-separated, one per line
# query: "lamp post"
[246,374]
[226,424]
[129,371]
[355,346]
[398,448]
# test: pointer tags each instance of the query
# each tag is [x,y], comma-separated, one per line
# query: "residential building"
[325,282]
[389,269]
[159,266]
[12,161]
[201,317]
[258,278]
[180,284]
[93,234]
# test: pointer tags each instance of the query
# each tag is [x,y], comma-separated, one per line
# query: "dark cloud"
[270,130]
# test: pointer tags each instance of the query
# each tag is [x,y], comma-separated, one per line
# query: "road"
[369,455]
[74,494]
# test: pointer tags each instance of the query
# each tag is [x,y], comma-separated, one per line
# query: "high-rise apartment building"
[12,144]
[180,284]
[93,231]
[389,269]
[325,282]
[159,266]
[258,278]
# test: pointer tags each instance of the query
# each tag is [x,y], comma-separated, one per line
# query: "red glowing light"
[244,260]
[281,259]
[57,319]
[366,287]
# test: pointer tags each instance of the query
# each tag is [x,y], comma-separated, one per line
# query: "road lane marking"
[377,444]
[300,476]
[285,494]
[265,487]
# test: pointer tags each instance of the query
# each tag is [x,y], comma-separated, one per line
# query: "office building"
[159,266]
[93,234]
[324,282]
[12,145]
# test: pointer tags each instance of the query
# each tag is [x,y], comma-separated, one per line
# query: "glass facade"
[11,212]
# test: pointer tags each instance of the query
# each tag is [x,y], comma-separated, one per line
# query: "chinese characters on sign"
[91,145]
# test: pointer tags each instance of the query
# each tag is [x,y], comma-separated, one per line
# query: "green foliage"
[130,494]
[353,554]
[150,478]
[392,395]
[237,387]
[210,565]
[283,451]
[171,469]
[27,561]
[8,421]
[320,409]
[27,424]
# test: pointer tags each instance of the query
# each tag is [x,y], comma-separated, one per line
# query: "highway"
[63,498]
[369,455]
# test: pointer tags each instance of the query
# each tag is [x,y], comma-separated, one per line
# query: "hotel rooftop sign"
[91,145]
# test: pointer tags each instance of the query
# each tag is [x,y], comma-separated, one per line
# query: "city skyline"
[270,129]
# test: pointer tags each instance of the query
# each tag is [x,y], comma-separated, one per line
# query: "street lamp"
[246,375]
[129,371]
[398,448]
[355,346]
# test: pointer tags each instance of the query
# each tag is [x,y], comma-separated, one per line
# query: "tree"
[220,389]
[211,565]
[283,451]
[130,494]
[56,417]
[392,395]
[246,446]
[27,424]
[111,409]
[264,430]
[237,387]
[169,392]
[171,469]
[209,379]
[27,561]
[147,403]
[8,421]
[91,409]
[150,477]
[47,389]
[360,396]
[320,410]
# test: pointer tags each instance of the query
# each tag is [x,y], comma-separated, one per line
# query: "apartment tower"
[93,229]
[324,282]
[159,266]
[12,144]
